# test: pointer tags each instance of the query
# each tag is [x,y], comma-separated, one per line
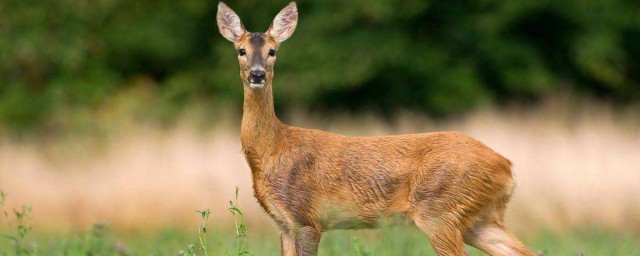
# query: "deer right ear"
[229,23]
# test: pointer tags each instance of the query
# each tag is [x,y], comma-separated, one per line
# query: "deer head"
[257,51]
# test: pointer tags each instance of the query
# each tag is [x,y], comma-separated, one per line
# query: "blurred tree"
[439,57]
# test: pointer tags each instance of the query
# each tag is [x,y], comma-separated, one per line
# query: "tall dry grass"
[577,166]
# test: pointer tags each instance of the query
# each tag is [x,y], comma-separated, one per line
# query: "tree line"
[436,57]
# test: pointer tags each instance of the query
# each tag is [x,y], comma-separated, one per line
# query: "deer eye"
[242,52]
[272,52]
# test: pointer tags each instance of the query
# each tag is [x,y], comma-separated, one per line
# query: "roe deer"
[451,186]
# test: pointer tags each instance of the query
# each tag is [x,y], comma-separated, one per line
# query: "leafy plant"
[19,227]
[202,236]
[240,232]
[241,229]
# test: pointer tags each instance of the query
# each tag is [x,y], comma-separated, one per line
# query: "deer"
[451,186]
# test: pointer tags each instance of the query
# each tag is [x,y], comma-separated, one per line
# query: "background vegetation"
[436,57]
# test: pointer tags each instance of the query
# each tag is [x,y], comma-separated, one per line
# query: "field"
[576,170]
[398,239]
[401,240]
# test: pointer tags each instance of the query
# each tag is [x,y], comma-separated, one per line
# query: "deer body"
[454,188]
[327,181]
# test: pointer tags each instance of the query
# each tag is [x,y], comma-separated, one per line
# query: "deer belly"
[363,201]
[351,212]
[343,218]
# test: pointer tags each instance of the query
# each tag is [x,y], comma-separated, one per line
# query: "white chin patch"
[256,86]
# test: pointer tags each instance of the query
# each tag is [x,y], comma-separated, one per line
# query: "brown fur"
[453,187]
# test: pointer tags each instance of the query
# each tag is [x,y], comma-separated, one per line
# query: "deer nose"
[257,76]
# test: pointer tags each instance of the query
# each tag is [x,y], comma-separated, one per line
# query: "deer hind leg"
[494,239]
[491,236]
[445,236]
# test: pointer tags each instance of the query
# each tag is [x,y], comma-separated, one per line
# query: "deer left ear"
[285,23]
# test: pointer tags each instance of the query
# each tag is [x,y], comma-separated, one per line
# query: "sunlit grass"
[399,240]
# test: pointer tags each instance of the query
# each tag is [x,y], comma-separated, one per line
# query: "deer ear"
[229,23]
[285,23]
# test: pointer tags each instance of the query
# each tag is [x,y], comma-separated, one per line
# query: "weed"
[202,236]
[240,230]
[19,227]
[202,230]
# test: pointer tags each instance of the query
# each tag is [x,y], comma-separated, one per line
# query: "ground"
[398,240]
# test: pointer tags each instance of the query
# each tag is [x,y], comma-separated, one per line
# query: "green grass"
[209,239]
[399,240]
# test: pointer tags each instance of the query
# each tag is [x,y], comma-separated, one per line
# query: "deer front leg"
[307,241]
[287,244]
[303,242]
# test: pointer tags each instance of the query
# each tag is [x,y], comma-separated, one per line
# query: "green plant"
[202,230]
[202,236]
[241,229]
[19,227]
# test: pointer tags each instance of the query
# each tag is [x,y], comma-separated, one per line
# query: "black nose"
[257,76]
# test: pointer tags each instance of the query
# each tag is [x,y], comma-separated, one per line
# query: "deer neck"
[260,125]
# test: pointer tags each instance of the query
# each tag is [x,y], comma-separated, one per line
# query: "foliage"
[240,233]
[19,228]
[202,236]
[440,57]
[241,229]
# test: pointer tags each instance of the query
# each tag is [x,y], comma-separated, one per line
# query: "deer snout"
[257,78]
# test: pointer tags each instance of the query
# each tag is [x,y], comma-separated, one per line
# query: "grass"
[400,239]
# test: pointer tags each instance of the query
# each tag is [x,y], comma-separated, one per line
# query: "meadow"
[135,190]
[398,238]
